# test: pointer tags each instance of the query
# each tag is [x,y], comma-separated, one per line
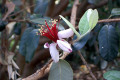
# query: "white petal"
[54,52]
[46,45]
[88,14]
[64,45]
[65,33]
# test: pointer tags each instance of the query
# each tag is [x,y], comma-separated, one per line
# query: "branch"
[21,10]
[50,8]
[60,7]
[44,70]
[100,21]
[39,73]
[109,20]
[10,6]
[73,14]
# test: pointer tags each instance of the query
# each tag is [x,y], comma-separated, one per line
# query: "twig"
[40,73]
[21,11]
[22,20]
[87,65]
[100,21]
[73,14]
[109,20]
[44,70]
[10,6]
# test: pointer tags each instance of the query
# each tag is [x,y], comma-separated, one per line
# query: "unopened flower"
[57,37]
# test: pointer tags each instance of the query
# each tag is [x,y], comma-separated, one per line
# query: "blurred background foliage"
[100,47]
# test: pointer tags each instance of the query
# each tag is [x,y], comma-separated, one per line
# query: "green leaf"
[93,19]
[112,75]
[108,42]
[88,22]
[61,71]
[40,21]
[84,24]
[29,43]
[81,43]
[115,11]
[71,26]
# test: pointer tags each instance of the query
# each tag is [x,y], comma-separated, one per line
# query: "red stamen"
[48,28]
[55,31]
[50,32]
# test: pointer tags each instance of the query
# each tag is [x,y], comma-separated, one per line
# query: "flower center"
[50,32]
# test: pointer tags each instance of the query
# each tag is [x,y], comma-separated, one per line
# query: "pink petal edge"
[46,45]
[64,45]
